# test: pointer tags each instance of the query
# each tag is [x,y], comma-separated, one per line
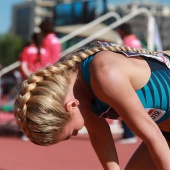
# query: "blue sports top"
[155,95]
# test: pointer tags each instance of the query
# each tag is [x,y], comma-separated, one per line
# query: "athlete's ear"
[71,104]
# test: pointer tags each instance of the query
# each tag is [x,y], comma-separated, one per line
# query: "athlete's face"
[72,127]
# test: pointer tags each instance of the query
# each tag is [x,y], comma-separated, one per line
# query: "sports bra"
[154,96]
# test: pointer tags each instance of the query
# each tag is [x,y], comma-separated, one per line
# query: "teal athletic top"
[155,95]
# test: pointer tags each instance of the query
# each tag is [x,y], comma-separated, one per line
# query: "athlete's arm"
[102,142]
[112,85]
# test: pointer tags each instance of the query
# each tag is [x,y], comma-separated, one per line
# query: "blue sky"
[6,11]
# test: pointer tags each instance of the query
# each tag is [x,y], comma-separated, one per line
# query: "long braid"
[32,109]
[39,109]
[86,52]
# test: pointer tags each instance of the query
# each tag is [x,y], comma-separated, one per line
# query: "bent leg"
[141,160]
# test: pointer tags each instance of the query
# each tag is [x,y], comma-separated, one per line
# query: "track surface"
[75,154]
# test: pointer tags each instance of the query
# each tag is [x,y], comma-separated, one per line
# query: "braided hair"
[39,109]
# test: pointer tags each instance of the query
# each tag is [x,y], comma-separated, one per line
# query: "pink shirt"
[29,55]
[132,41]
[52,44]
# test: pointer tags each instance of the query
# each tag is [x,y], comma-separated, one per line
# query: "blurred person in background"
[34,56]
[50,40]
[128,37]
[129,40]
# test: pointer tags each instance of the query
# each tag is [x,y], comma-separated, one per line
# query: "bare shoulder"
[118,67]
[108,57]
[107,64]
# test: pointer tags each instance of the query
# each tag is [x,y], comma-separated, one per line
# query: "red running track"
[75,154]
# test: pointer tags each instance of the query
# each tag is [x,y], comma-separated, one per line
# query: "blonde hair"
[39,109]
